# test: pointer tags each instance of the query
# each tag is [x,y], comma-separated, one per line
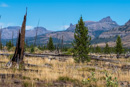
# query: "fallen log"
[4,76]
[103,59]
[38,55]
[43,55]
[5,54]
[93,57]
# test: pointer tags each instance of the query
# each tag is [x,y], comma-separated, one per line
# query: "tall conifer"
[50,44]
[81,43]
[118,48]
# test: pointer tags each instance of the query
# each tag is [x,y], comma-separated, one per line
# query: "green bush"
[67,79]
[111,82]
[32,50]
[69,51]
[26,84]
[9,45]
[90,80]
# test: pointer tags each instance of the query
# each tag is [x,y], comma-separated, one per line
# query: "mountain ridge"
[8,31]
[68,34]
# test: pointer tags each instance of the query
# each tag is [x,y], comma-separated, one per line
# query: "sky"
[56,15]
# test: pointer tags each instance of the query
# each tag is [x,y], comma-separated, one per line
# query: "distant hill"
[8,31]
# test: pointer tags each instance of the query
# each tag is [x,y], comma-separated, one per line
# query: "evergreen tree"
[112,49]
[119,48]
[1,46]
[81,43]
[9,45]
[91,49]
[44,47]
[107,49]
[32,50]
[50,44]
[98,49]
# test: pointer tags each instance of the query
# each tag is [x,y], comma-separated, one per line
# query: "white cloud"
[1,24]
[62,27]
[10,24]
[65,26]
[4,5]
[29,27]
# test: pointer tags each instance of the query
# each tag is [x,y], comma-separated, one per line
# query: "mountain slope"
[123,31]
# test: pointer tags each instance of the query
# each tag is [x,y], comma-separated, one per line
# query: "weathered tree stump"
[17,59]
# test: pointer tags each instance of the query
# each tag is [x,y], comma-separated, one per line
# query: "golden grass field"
[54,73]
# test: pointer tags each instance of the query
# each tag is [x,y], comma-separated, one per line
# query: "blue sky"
[58,14]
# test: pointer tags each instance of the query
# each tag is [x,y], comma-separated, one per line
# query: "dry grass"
[51,70]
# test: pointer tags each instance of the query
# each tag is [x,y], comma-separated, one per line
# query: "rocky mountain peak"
[40,28]
[106,19]
[13,27]
[128,23]
[71,24]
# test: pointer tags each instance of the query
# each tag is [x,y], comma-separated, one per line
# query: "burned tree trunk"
[36,34]
[12,36]
[0,39]
[19,51]
[62,43]
[57,44]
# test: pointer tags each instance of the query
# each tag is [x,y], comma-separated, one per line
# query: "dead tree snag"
[0,38]
[19,50]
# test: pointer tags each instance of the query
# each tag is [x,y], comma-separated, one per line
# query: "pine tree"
[98,49]
[107,49]
[9,45]
[92,50]
[119,48]
[81,43]
[50,44]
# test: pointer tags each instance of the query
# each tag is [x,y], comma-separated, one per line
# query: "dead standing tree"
[62,43]
[36,34]
[12,36]
[19,51]
[0,38]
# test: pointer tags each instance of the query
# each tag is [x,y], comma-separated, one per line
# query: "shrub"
[67,79]
[26,84]
[9,45]
[32,50]
[110,82]
[90,80]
